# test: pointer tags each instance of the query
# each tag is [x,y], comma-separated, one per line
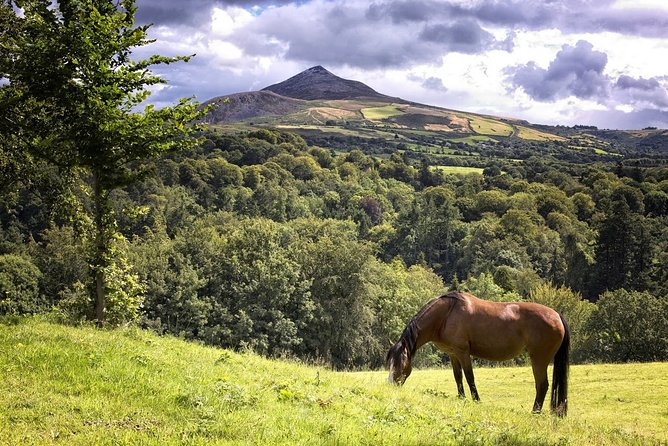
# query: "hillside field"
[64,385]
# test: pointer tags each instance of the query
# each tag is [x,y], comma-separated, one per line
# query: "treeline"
[261,241]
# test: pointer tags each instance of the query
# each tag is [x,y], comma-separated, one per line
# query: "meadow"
[66,385]
[379,113]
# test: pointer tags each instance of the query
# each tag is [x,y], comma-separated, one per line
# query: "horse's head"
[399,362]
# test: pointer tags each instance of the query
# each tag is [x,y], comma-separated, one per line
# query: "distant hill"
[318,83]
[331,111]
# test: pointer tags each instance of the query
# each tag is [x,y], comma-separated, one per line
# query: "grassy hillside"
[64,385]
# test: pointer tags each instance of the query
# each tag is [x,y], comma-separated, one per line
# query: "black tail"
[559,400]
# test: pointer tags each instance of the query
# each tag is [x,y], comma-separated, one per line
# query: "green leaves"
[73,92]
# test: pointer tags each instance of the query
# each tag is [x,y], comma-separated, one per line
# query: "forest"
[259,240]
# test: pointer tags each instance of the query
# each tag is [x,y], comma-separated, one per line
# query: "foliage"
[576,311]
[19,286]
[72,93]
[484,287]
[630,326]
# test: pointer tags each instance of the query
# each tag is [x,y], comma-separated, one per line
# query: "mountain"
[318,83]
[340,113]
[240,106]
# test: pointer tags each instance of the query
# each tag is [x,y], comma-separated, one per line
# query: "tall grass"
[81,386]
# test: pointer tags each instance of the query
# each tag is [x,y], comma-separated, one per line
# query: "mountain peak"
[317,69]
[319,83]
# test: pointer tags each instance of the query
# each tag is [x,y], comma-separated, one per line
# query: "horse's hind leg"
[457,370]
[539,367]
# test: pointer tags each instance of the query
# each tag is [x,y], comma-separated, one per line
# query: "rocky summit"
[318,83]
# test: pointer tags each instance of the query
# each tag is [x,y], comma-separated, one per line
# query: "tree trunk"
[100,258]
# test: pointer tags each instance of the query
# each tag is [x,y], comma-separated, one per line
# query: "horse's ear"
[391,343]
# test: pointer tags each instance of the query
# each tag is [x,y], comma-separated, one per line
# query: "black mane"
[409,337]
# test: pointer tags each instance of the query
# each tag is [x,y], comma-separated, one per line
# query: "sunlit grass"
[462,170]
[536,135]
[81,386]
[379,113]
[490,127]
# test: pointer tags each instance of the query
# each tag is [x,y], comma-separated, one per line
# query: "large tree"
[70,95]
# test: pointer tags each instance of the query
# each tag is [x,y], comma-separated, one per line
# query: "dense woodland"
[260,241]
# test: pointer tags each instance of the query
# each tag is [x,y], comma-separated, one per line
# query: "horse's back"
[501,330]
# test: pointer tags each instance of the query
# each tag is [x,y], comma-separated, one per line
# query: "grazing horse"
[462,325]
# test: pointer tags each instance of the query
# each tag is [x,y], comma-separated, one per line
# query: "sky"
[586,62]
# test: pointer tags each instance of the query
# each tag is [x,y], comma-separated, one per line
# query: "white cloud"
[412,48]
[225,22]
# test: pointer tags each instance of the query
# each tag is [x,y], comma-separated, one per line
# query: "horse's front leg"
[457,370]
[465,360]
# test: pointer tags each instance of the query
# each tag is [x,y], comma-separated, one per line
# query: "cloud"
[616,119]
[338,34]
[465,36]
[175,12]
[575,71]
[191,13]
[570,16]
[641,92]
[432,83]
[579,72]
[243,45]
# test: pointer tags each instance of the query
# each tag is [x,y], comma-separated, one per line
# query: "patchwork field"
[81,386]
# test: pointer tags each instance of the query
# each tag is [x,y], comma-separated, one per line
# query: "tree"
[623,250]
[71,99]
[630,326]
[19,285]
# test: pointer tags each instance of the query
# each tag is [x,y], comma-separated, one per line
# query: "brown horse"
[462,325]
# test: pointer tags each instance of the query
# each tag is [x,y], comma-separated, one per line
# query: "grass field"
[81,386]
[491,127]
[459,169]
[378,113]
[536,135]
[472,140]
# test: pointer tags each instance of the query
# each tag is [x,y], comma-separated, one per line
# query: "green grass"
[536,135]
[379,113]
[460,169]
[472,140]
[81,386]
[487,126]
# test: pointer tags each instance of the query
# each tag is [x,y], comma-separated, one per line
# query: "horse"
[462,325]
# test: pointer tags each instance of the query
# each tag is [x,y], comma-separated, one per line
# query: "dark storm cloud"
[465,36]
[175,12]
[567,15]
[399,12]
[192,13]
[575,71]
[341,34]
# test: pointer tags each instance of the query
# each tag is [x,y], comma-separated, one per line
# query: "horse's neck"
[431,321]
